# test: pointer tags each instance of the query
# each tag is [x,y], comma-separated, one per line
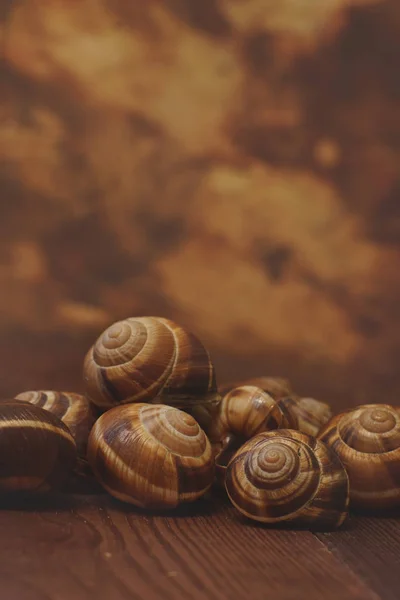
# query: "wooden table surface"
[90,546]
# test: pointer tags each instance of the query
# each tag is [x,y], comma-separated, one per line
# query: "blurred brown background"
[230,164]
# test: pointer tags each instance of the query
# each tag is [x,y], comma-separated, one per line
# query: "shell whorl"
[174,429]
[151,455]
[288,476]
[247,410]
[148,359]
[311,415]
[244,412]
[367,441]
[73,409]
[371,429]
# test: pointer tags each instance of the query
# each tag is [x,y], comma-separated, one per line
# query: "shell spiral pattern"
[286,475]
[367,441]
[149,359]
[153,456]
[244,412]
[311,414]
[73,409]
[248,410]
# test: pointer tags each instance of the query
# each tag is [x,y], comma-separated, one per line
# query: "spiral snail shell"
[247,410]
[311,414]
[150,359]
[73,409]
[153,456]
[286,475]
[37,450]
[244,412]
[367,441]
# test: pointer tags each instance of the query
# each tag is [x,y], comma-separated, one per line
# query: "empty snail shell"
[312,415]
[73,409]
[286,475]
[150,359]
[153,456]
[37,449]
[277,387]
[244,412]
[247,410]
[367,441]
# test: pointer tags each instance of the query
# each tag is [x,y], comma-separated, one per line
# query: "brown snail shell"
[150,359]
[286,475]
[244,412]
[312,415]
[73,409]
[248,410]
[153,456]
[37,449]
[277,387]
[367,441]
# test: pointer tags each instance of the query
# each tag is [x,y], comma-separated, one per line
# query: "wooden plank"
[371,548]
[94,547]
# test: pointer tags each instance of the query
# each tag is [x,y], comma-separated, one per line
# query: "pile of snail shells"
[155,431]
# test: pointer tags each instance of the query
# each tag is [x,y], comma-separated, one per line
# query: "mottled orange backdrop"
[230,164]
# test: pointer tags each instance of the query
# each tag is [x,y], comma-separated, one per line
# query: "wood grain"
[371,548]
[80,547]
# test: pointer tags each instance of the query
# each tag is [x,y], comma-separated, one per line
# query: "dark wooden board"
[371,548]
[85,547]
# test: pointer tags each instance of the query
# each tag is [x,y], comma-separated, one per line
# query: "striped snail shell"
[244,412]
[277,387]
[286,475]
[73,409]
[37,449]
[150,455]
[312,415]
[247,410]
[367,441]
[150,359]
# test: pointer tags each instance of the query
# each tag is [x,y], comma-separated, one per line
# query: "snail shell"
[286,475]
[37,449]
[244,412]
[312,415]
[367,441]
[277,387]
[150,359]
[247,410]
[73,409]
[153,456]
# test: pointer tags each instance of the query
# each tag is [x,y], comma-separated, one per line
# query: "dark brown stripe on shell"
[288,407]
[111,390]
[41,399]
[114,435]
[60,405]
[193,480]
[191,371]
